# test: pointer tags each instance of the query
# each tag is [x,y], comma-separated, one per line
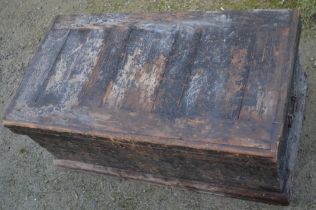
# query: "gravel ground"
[28,179]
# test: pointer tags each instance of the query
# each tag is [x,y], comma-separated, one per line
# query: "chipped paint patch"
[122,82]
[72,69]
[136,83]
[142,69]
[266,104]
[199,80]
[147,81]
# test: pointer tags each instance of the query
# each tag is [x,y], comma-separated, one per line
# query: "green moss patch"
[307,7]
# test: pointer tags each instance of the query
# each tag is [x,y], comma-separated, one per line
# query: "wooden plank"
[71,70]
[262,196]
[110,60]
[137,81]
[177,72]
[39,68]
[219,74]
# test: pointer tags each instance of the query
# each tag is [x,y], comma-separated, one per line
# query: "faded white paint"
[266,103]
[198,81]
[123,80]
[143,79]
[65,82]
[149,80]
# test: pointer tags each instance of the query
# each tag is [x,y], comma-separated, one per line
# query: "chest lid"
[212,80]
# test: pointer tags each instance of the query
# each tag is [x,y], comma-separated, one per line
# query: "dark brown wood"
[217,189]
[197,97]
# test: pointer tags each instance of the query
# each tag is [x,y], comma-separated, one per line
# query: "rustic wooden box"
[208,101]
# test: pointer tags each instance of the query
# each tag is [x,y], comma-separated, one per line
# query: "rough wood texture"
[194,97]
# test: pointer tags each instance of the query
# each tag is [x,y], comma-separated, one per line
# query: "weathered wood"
[217,189]
[186,97]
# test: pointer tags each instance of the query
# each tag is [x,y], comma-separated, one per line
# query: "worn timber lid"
[215,80]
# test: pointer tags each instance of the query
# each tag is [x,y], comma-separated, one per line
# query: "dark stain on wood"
[191,98]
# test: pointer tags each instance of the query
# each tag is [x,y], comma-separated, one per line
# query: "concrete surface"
[28,180]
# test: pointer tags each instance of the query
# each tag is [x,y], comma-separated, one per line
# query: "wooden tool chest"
[211,101]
